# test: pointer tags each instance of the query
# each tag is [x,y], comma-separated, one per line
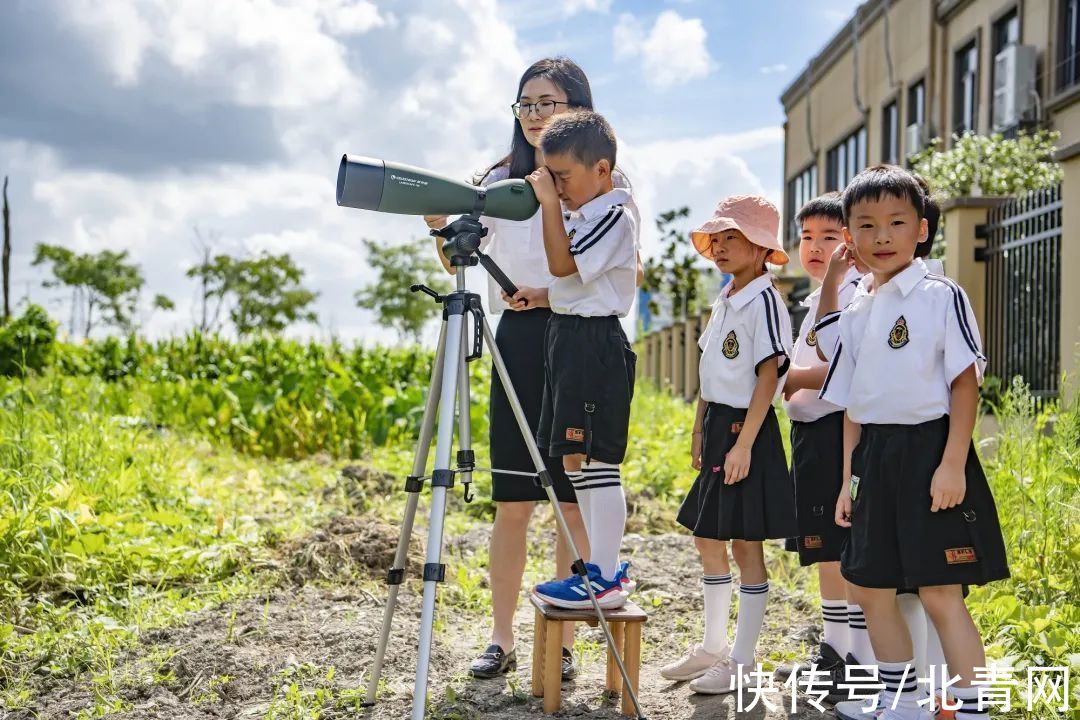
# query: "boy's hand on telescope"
[436,222]
[544,186]
[526,298]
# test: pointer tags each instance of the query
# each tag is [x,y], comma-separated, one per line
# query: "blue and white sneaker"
[570,593]
[623,576]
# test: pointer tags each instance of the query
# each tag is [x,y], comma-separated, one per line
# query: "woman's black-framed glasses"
[544,108]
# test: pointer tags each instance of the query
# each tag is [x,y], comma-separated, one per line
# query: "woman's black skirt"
[520,339]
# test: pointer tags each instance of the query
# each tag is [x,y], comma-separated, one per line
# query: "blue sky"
[127,126]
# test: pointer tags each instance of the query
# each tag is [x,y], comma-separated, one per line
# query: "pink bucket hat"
[753,216]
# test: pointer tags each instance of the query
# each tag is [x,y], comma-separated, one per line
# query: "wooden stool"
[625,624]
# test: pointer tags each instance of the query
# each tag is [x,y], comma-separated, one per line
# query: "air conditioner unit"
[1014,85]
[913,138]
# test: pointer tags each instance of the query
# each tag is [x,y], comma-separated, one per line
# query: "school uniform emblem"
[812,542]
[731,346]
[898,336]
[811,337]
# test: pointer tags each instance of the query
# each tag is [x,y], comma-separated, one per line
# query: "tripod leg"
[441,480]
[560,519]
[412,487]
[465,459]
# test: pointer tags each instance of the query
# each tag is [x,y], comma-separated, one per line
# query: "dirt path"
[271,657]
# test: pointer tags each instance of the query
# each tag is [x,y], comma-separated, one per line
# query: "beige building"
[902,72]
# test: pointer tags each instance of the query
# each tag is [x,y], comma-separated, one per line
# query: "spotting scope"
[369,184]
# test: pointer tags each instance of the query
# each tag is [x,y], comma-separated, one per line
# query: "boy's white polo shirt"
[745,330]
[828,333]
[900,349]
[603,237]
[517,246]
[805,405]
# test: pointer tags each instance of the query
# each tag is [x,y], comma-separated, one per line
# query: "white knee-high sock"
[834,617]
[915,619]
[968,701]
[752,601]
[901,694]
[858,637]
[935,654]
[717,591]
[606,523]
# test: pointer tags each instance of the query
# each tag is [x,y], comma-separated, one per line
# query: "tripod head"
[462,240]
[462,248]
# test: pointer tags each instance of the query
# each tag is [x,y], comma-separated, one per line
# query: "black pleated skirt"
[761,506]
[895,541]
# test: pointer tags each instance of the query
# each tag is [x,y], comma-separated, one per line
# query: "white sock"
[901,690]
[911,608]
[752,601]
[935,655]
[834,617]
[968,700]
[607,515]
[858,638]
[717,591]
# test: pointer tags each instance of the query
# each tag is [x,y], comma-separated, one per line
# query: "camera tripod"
[449,385]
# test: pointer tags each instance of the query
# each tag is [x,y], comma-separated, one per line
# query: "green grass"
[109,526]
[141,482]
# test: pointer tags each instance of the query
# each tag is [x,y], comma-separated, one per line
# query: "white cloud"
[672,52]
[696,172]
[404,90]
[573,7]
[251,52]
[773,69]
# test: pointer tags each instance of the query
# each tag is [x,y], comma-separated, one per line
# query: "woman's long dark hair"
[567,75]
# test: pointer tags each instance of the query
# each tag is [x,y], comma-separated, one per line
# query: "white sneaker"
[721,678]
[693,664]
[856,710]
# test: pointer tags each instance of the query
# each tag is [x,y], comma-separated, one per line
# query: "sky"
[129,124]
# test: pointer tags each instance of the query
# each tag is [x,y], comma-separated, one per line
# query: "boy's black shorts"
[588,384]
[817,468]
[895,541]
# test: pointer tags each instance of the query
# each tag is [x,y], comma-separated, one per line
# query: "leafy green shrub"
[1033,618]
[26,343]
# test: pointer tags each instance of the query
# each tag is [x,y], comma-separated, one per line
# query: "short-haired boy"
[907,368]
[589,367]
[816,447]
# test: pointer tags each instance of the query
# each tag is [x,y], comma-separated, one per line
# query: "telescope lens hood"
[360,182]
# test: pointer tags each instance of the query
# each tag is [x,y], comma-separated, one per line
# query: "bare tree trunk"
[74,307]
[89,315]
[6,261]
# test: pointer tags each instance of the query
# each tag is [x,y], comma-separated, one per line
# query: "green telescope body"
[370,184]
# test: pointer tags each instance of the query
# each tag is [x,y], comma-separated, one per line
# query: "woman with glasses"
[549,87]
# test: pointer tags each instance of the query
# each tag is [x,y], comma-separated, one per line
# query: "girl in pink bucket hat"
[743,493]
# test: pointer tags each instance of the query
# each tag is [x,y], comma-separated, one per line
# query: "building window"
[1068,59]
[846,159]
[1006,31]
[890,134]
[965,93]
[801,189]
[916,104]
